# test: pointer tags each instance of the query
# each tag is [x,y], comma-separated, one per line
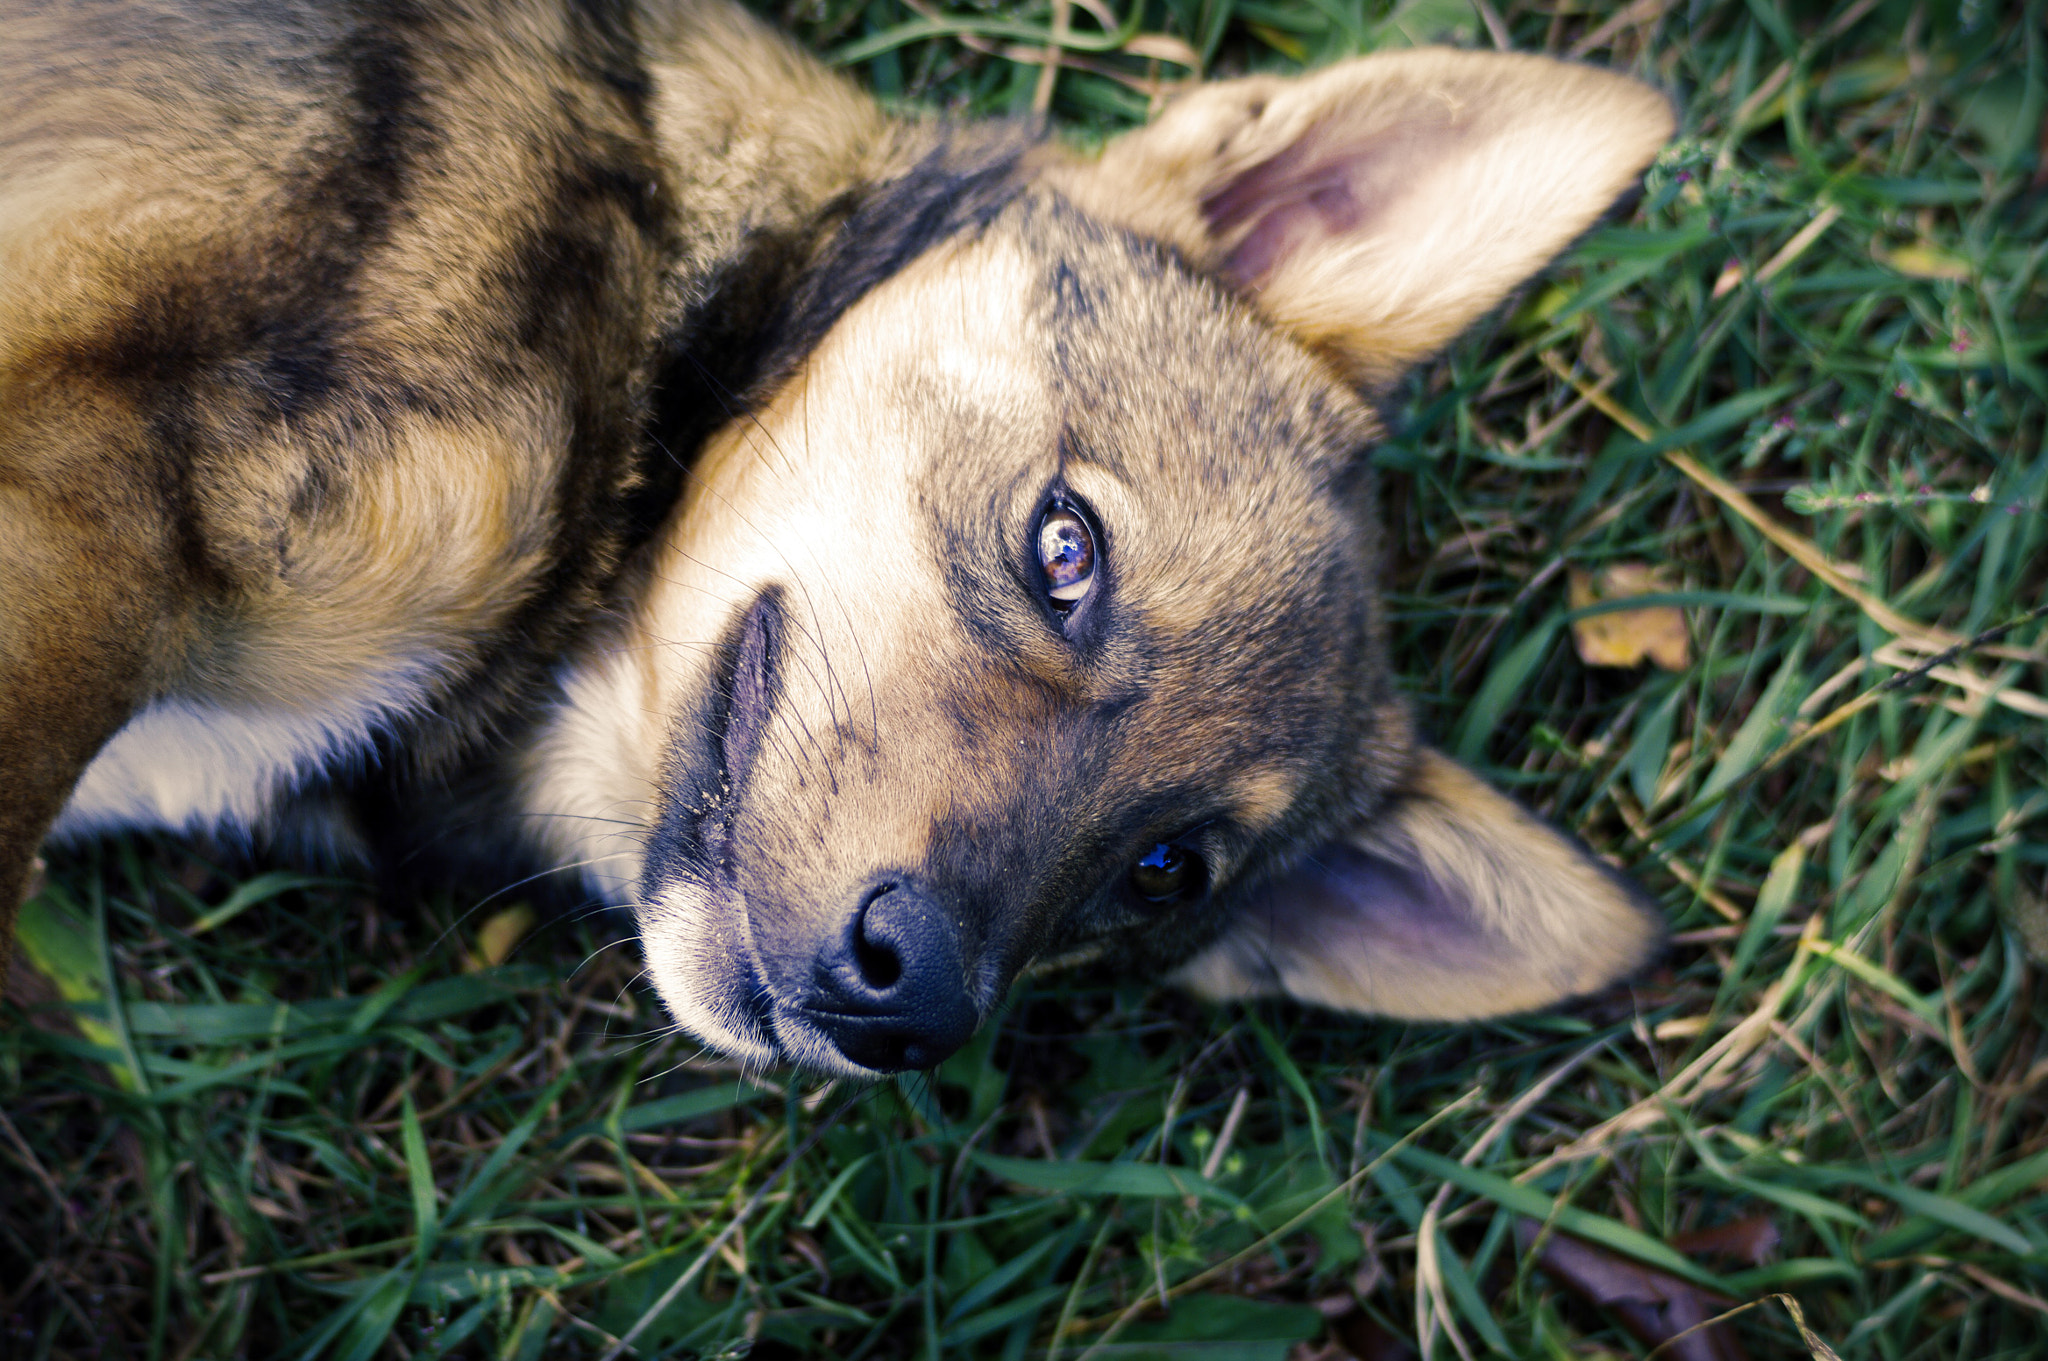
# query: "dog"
[887,555]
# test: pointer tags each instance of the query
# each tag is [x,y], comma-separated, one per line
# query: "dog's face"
[1033,618]
[1041,613]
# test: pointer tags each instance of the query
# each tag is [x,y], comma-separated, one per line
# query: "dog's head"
[1032,618]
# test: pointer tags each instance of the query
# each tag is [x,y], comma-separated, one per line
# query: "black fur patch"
[957,189]
[251,328]
[775,303]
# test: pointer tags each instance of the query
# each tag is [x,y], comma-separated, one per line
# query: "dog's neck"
[794,193]
[766,153]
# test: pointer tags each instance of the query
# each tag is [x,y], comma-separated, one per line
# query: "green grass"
[306,1131]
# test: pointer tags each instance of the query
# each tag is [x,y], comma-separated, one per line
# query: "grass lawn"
[1806,381]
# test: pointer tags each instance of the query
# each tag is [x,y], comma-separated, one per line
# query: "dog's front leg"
[80,588]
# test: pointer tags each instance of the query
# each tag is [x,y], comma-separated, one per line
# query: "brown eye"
[1167,873]
[1066,554]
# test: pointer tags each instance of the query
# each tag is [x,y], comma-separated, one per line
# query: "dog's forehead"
[1045,322]
[1143,347]
[1050,345]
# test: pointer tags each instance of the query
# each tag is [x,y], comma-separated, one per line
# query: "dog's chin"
[700,954]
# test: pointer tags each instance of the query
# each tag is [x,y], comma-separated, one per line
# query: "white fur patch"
[189,766]
[590,783]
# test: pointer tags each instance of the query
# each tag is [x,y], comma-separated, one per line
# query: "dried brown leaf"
[498,935]
[1625,637]
[1655,1306]
[1748,1240]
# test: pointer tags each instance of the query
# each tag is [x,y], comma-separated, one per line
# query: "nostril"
[890,986]
[879,964]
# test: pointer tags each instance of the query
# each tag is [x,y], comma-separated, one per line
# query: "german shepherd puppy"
[889,556]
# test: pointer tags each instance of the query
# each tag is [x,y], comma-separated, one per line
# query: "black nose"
[892,989]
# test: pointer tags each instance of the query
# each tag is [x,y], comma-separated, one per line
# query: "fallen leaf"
[1654,1305]
[1747,1240]
[2027,916]
[1923,261]
[499,933]
[1625,637]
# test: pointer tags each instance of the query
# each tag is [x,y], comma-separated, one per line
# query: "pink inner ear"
[1343,898]
[1326,184]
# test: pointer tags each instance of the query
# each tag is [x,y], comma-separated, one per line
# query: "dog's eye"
[1066,554]
[1168,873]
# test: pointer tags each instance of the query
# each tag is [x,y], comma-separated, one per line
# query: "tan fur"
[761,132]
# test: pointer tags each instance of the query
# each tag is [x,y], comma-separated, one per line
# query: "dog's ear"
[1451,903]
[1377,208]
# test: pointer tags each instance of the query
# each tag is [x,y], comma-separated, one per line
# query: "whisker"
[464,916]
[813,630]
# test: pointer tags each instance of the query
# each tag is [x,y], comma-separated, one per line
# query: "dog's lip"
[758,1005]
[742,700]
[807,1010]
[748,669]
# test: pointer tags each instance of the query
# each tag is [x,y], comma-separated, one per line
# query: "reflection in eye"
[1066,553]
[1167,873]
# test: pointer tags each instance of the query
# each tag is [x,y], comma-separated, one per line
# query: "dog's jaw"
[702,966]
